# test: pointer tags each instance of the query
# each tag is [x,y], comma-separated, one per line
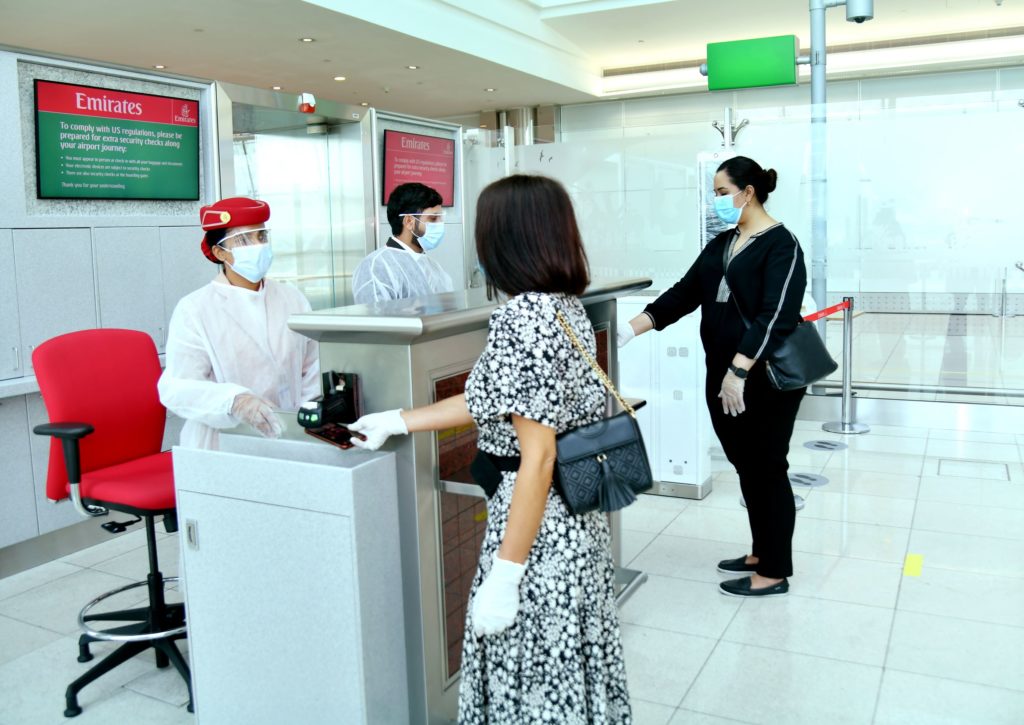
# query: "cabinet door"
[296,566]
[18,512]
[11,359]
[56,293]
[130,282]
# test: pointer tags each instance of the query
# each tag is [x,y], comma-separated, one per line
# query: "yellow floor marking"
[912,565]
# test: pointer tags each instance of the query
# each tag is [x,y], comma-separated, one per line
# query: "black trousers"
[756,443]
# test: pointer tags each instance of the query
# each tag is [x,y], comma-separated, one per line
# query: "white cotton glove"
[732,394]
[376,428]
[496,602]
[258,413]
[624,332]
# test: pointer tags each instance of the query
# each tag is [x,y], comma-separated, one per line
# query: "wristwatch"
[738,372]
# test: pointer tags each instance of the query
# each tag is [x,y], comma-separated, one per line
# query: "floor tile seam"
[842,601]
[714,715]
[662,630]
[642,550]
[31,624]
[804,654]
[847,555]
[132,550]
[46,583]
[39,626]
[810,515]
[167,671]
[957,619]
[953,679]
[710,654]
[977,536]
[787,650]
[960,570]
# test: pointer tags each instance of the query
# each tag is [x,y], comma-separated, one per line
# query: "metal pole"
[846,424]
[727,132]
[819,150]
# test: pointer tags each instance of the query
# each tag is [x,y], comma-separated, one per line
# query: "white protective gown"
[225,340]
[396,272]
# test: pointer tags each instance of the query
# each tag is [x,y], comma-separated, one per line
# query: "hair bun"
[771,178]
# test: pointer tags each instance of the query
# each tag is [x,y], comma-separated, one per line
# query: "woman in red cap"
[231,357]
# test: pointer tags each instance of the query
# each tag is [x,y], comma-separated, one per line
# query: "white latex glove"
[732,394]
[377,428]
[496,602]
[624,333]
[258,413]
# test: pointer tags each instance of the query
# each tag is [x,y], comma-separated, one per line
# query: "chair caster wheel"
[73,711]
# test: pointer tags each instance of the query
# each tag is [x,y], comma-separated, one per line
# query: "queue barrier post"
[847,425]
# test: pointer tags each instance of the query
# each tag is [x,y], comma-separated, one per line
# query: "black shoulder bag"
[601,465]
[801,360]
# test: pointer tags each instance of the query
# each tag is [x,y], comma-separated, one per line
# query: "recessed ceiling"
[461,47]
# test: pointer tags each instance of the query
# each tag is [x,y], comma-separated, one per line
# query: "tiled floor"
[859,640]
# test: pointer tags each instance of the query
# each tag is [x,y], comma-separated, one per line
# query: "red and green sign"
[98,143]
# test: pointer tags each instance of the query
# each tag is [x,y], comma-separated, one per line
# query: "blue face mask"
[725,209]
[432,237]
[252,262]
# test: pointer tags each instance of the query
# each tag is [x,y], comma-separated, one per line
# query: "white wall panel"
[130,281]
[11,357]
[56,290]
[18,511]
[183,266]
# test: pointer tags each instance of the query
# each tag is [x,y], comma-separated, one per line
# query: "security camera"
[857,11]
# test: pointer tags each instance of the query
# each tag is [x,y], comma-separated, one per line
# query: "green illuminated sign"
[752,63]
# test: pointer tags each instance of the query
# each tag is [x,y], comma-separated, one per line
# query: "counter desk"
[407,353]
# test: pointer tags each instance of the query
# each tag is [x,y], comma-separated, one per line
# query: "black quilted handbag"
[601,465]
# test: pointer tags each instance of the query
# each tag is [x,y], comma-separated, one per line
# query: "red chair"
[107,425]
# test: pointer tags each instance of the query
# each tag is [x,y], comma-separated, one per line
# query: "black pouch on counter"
[487,469]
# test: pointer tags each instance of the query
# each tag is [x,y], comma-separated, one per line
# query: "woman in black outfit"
[751,274]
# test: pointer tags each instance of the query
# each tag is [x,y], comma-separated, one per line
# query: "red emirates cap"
[238,211]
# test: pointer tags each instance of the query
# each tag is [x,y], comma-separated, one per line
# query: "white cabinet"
[667,370]
[56,292]
[18,511]
[293,583]
[11,358]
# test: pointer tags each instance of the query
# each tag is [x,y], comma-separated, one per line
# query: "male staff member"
[401,268]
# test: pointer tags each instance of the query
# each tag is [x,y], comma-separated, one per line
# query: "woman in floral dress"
[542,640]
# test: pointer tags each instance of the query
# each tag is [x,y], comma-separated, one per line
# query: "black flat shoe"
[741,588]
[736,566]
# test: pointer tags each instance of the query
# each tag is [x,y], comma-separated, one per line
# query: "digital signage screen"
[98,143]
[410,157]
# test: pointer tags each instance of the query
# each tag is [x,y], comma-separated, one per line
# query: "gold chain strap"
[597,368]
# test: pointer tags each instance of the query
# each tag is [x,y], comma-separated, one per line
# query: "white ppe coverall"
[394,273]
[225,340]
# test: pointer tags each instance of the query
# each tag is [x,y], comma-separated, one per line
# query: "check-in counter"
[412,353]
[409,516]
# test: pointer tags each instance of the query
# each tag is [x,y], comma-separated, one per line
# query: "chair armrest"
[64,431]
[69,434]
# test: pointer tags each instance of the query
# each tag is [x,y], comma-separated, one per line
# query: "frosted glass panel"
[920,200]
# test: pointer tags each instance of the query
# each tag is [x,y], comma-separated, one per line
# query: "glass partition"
[920,197]
[291,161]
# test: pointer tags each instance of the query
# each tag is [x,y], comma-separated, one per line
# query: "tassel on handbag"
[601,465]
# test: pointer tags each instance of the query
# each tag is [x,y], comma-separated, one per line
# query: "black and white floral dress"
[561,661]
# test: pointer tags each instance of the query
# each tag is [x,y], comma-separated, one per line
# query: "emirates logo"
[185,110]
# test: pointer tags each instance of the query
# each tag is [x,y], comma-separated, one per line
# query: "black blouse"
[766,282]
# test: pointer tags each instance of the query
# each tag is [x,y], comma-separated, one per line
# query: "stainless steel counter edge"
[425,318]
